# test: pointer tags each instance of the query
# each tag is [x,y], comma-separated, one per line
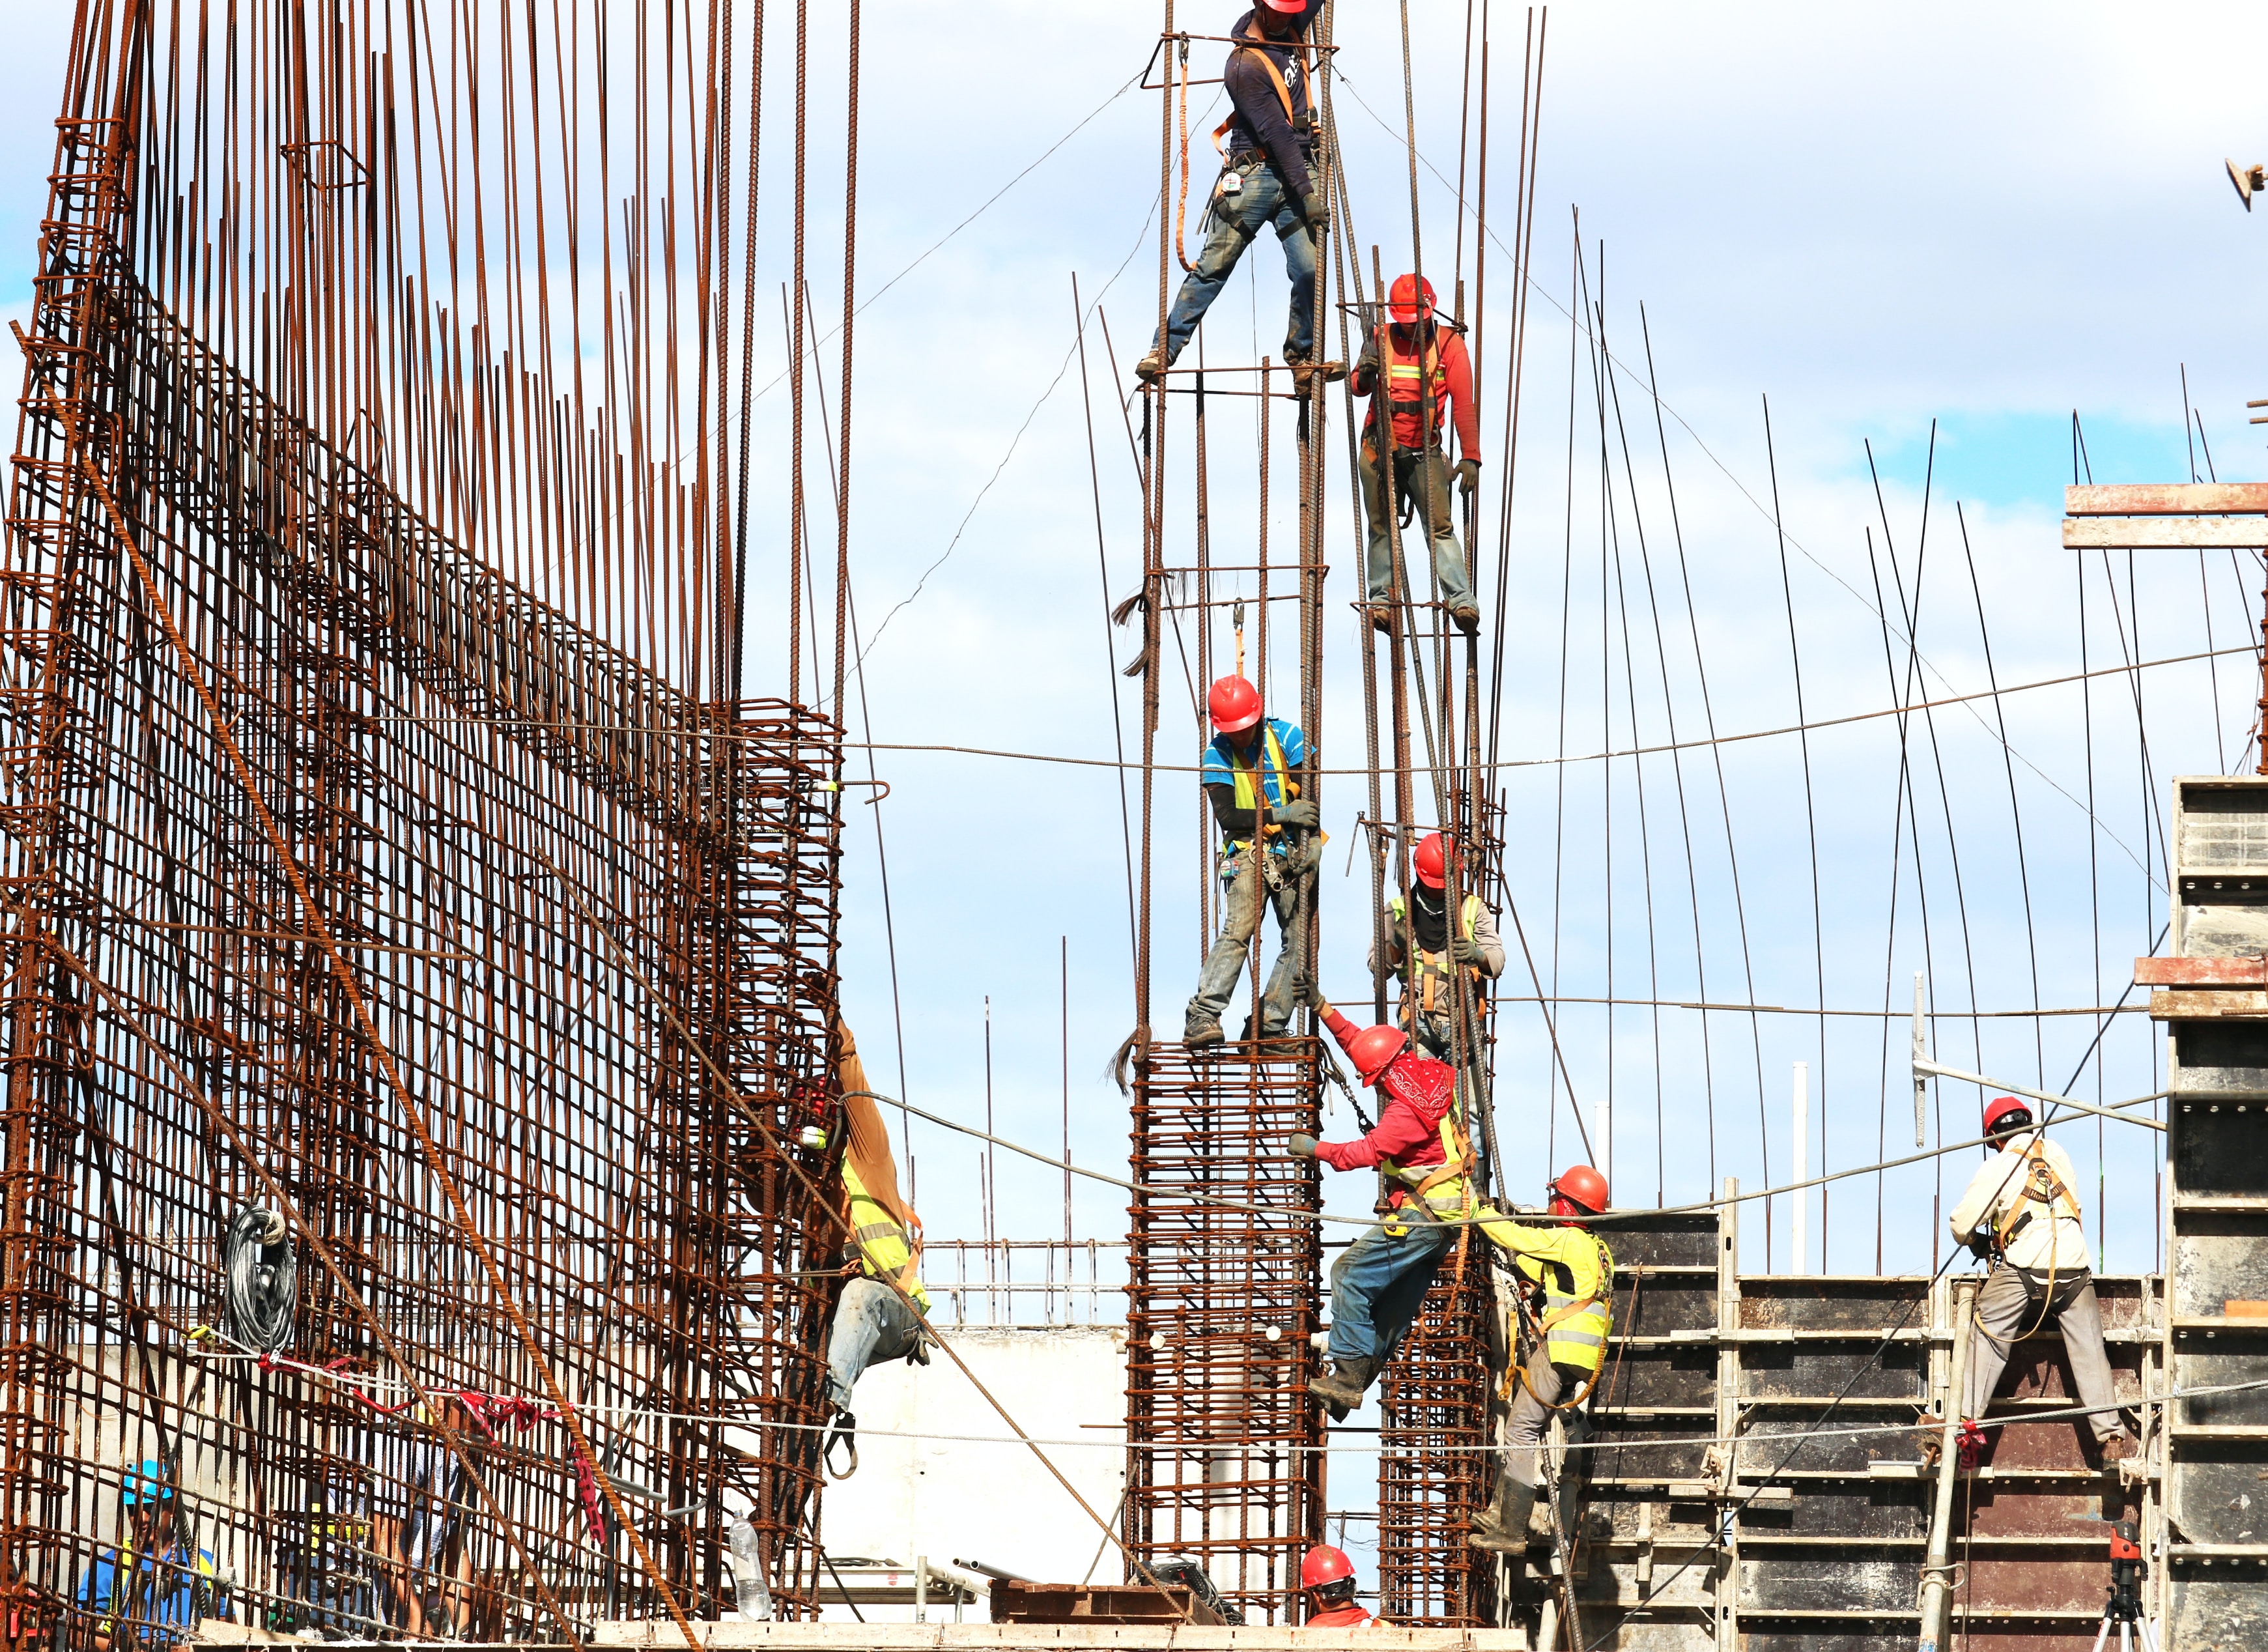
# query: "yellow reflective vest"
[1576,1272]
[883,1246]
[1250,782]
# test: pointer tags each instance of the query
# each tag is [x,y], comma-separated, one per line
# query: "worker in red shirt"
[1328,1576]
[1380,1281]
[1429,378]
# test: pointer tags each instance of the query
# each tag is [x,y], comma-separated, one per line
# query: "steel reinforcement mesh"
[533,1112]
[1434,1405]
[1222,1304]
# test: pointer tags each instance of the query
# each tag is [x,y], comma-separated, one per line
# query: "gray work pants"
[2009,1304]
[1532,1414]
[1240,905]
[873,1325]
[1381,506]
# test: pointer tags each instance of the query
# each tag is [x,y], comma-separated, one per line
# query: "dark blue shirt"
[1260,119]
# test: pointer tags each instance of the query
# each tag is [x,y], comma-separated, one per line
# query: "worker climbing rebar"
[1426,372]
[1428,1009]
[1251,774]
[1271,177]
[873,1323]
[1572,1273]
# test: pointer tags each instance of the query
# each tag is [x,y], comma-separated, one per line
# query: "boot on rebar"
[1343,1385]
[1502,1527]
[1197,1033]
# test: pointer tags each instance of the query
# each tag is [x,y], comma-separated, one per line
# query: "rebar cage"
[347,877]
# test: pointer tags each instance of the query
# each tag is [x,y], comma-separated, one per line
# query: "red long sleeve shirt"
[1419,1091]
[1456,369]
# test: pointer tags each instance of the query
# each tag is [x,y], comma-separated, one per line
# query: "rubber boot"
[1502,1527]
[1344,1382]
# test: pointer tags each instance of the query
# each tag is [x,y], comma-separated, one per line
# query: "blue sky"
[1875,216]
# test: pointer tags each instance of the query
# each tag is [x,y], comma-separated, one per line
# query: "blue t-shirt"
[158,1591]
[1221,764]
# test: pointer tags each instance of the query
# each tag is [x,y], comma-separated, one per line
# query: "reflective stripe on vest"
[1248,777]
[1405,380]
[1434,967]
[882,1245]
[1446,1186]
[1575,1328]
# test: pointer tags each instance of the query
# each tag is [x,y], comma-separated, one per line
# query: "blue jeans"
[1236,221]
[873,1325]
[1379,1282]
[1382,506]
[1240,921]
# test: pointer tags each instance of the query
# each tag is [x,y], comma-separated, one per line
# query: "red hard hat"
[2000,1107]
[1402,303]
[1285,5]
[1578,1184]
[1373,1050]
[1430,863]
[1324,1565]
[1234,705]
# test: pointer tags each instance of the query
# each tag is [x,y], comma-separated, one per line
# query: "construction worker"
[1428,1004]
[874,1323]
[1379,1282]
[1328,1576]
[1428,377]
[1251,774]
[1270,179]
[1567,1275]
[2019,1212]
[161,1584]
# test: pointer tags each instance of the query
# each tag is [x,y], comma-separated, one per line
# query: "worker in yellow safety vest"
[873,1322]
[1422,928]
[1568,1276]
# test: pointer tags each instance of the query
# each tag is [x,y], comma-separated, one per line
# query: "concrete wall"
[955,1501]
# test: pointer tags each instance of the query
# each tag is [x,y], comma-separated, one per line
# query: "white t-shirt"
[2006,1182]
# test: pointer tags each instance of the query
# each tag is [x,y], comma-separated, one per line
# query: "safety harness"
[885,1249]
[1254,44]
[1250,778]
[1456,1168]
[1430,973]
[1408,379]
[2042,1187]
[1586,1344]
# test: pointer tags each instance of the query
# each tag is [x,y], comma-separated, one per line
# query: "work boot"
[1201,1034]
[1929,1439]
[2120,1447]
[1381,618]
[1468,618]
[1344,1382]
[1151,367]
[1502,1527]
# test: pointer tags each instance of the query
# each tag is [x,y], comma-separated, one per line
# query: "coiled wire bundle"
[262,1274]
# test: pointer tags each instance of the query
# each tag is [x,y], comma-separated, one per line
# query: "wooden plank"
[2165,532]
[2165,498]
[2201,971]
[2191,1004]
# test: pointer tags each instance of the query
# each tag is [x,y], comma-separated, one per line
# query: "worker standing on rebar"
[1328,1577]
[1428,997]
[1251,774]
[1428,377]
[1270,178]
[1379,1282]
[874,1323]
[1567,1276]
[2019,1210]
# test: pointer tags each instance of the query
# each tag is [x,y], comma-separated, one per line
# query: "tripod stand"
[2124,1607]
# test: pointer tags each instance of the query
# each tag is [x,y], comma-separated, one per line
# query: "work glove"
[1305,814]
[1316,213]
[1301,1146]
[1469,477]
[1465,950]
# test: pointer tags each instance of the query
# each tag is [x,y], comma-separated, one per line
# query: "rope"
[260,1272]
